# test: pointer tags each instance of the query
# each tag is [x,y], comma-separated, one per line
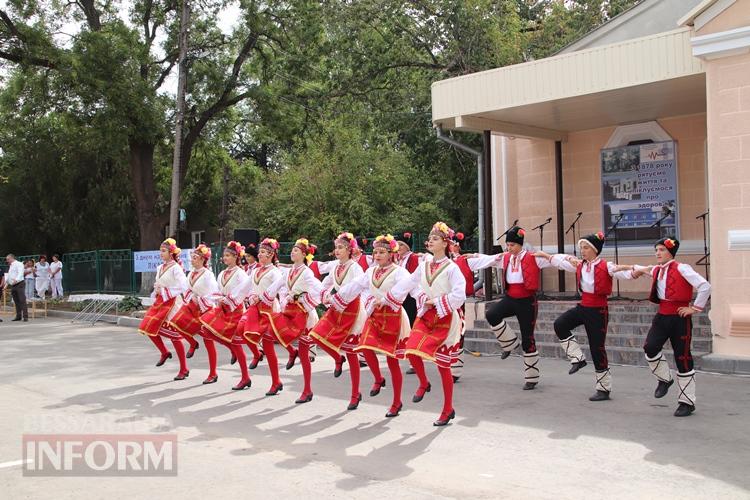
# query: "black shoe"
[418,397]
[444,419]
[529,386]
[292,359]
[242,384]
[683,410]
[275,389]
[163,359]
[363,364]
[25,320]
[455,379]
[600,396]
[254,363]
[504,354]
[211,380]
[233,360]
[376,388]
[16,319]
[393,412]
[663,388]
[410,371]
[577,366]
[305,398]
[339,367]
[182,376]
[354,403]
[192,350]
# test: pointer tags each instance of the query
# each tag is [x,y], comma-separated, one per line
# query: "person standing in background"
[42,277]
[28,274]
[15,280]
[55,270]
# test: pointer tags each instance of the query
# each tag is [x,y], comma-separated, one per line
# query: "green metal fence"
[100,271]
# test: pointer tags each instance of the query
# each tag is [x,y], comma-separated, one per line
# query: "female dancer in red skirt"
[220,322]
[168,287]
[387,325]
[197,300]
[299,293]
[440,290]
[251,263]
[255,326]
[338,330]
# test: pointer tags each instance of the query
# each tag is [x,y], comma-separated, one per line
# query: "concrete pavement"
[504,443]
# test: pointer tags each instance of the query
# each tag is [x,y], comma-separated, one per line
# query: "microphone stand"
[540,227]
[573,228]
[507,230]
[617,249]
[704,260]
[657,224]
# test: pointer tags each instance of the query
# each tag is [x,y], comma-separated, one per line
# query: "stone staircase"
[629,323]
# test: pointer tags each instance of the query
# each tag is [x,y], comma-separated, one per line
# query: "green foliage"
[130,303]
[314,115]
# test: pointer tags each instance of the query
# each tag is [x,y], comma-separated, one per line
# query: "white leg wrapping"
[572,349]
[686,382]
[531,367]
[603,380]
[660,367]
[505,336]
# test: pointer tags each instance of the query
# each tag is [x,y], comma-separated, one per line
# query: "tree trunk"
[150,223]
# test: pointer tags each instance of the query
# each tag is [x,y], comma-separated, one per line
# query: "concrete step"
[613,339]
[700,321]
[615,354]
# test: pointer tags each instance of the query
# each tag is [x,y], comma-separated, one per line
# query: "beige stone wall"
[728,104]
[736,16]
[531,187]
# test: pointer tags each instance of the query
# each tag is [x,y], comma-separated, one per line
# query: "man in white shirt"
[15,280]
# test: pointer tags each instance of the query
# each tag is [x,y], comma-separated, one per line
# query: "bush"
[130,303]
[80,305]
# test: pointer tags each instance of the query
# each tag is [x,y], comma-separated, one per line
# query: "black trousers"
[18,292]
[525,310]
[410,306]
[679,331]
[595,320]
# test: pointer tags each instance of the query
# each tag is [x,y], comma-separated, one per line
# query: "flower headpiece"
[171,245]
[347,239]
[386,241]
[203,251]
[236,248]
[270,244]
[441,229]
[307,248]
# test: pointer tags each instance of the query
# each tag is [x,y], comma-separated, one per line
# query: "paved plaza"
[504,443]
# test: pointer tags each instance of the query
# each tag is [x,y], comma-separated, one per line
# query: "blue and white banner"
[147,262]
[640,182]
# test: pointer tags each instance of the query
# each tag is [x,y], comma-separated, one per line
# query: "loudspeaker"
[247,236]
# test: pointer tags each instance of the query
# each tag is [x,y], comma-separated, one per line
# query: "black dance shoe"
[663,388]
[393,411]
[577,366]
[529,386]
[211,380]
[444,419]
[305,398]
[600,396]
[242,385]
[354,403]
[292,359]
[163,359]
[275,389]
[420,393]
[683,410]
[182,376]
[339,367]
[376,387]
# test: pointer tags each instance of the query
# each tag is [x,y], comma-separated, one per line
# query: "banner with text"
[147,262]
[639,187]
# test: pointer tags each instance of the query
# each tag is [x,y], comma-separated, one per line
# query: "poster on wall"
[147,262]
[639,187]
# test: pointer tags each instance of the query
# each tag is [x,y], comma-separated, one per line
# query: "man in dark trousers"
[15,280]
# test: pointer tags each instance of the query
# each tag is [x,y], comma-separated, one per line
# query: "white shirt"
[55,266]
[699,283]
[15,273]
[560,261]
[514,273]
[42,270]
